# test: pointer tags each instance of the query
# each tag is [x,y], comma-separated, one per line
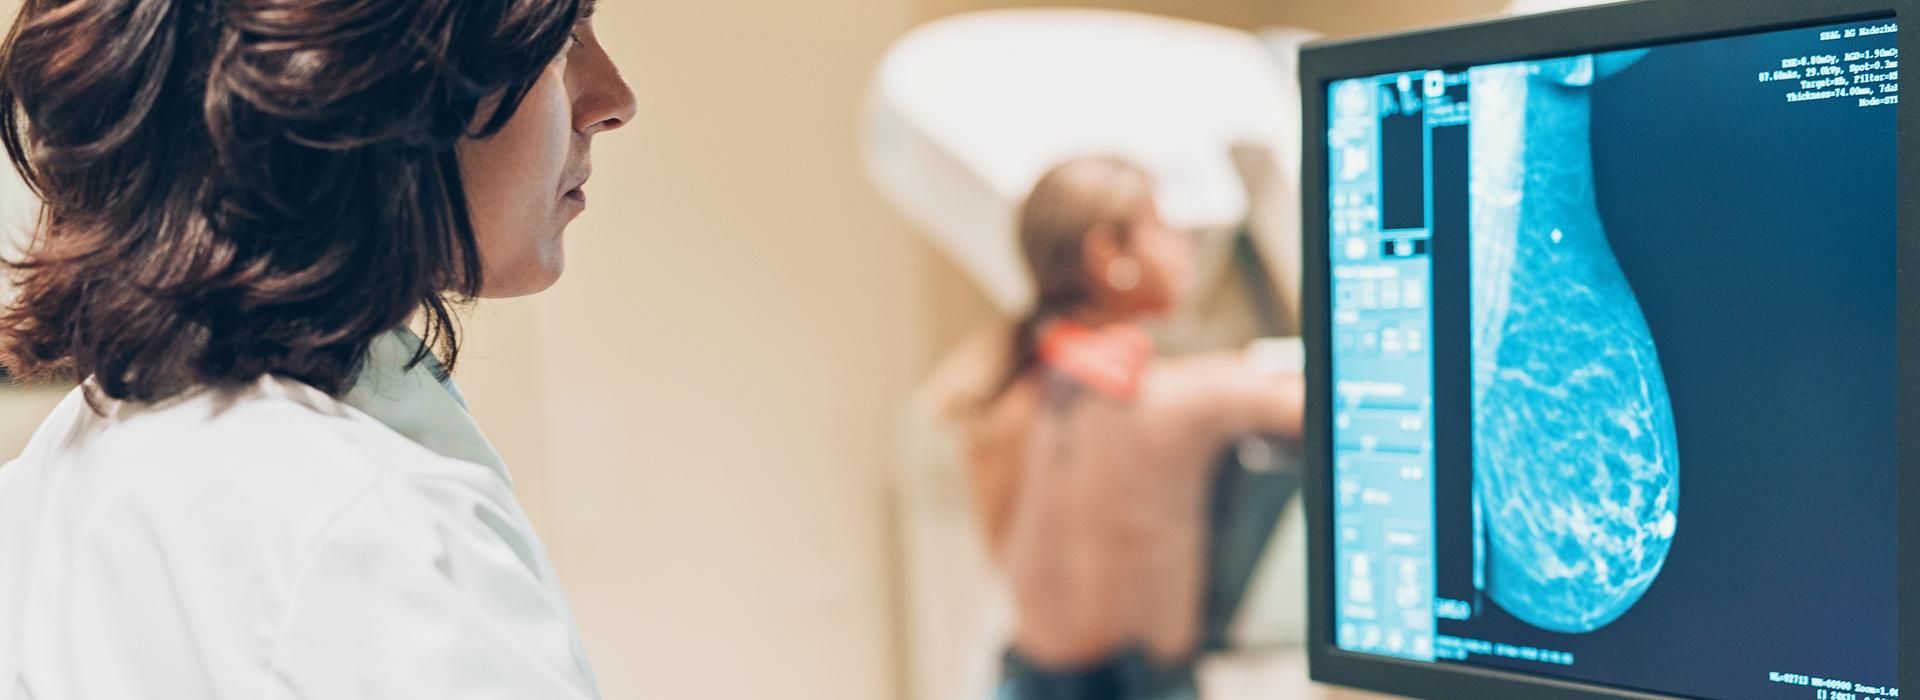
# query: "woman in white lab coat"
[265,485]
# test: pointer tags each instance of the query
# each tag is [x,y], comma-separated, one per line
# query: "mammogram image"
[1576,468]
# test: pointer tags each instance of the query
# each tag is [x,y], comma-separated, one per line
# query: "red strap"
[1111,360]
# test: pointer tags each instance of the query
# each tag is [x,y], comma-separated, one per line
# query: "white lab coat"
[273,542]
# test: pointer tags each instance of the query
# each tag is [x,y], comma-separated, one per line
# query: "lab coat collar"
[414,403]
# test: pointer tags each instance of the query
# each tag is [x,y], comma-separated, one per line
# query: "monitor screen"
[1613,365]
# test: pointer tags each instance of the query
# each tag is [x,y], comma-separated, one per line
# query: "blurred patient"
[1090,459]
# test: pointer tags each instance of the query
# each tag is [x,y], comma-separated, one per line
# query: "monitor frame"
[1636,24]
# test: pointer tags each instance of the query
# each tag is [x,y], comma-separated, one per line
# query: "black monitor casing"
[1572,32]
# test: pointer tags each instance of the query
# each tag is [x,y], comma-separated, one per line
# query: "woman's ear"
[1098,249]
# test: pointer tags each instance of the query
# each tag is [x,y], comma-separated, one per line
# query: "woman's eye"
[573,42]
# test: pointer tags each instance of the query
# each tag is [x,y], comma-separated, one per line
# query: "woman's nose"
[604,102]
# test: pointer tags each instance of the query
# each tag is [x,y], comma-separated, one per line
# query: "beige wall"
[1332,17]
[697,413]
[702,411]
[700,415]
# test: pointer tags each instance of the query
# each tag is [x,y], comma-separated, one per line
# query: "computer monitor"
[1611,358]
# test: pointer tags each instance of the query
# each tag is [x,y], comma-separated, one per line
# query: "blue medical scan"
[1613,365]
[1575,522]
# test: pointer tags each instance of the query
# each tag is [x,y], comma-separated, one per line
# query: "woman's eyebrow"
[587,8]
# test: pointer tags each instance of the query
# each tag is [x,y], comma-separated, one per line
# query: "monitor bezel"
[1627,25]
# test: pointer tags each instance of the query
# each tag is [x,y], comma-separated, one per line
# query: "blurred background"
[704,417]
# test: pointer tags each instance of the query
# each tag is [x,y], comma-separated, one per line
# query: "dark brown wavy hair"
[237,188]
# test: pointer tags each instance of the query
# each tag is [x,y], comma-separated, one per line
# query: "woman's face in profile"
[1166,260]
[527,182]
